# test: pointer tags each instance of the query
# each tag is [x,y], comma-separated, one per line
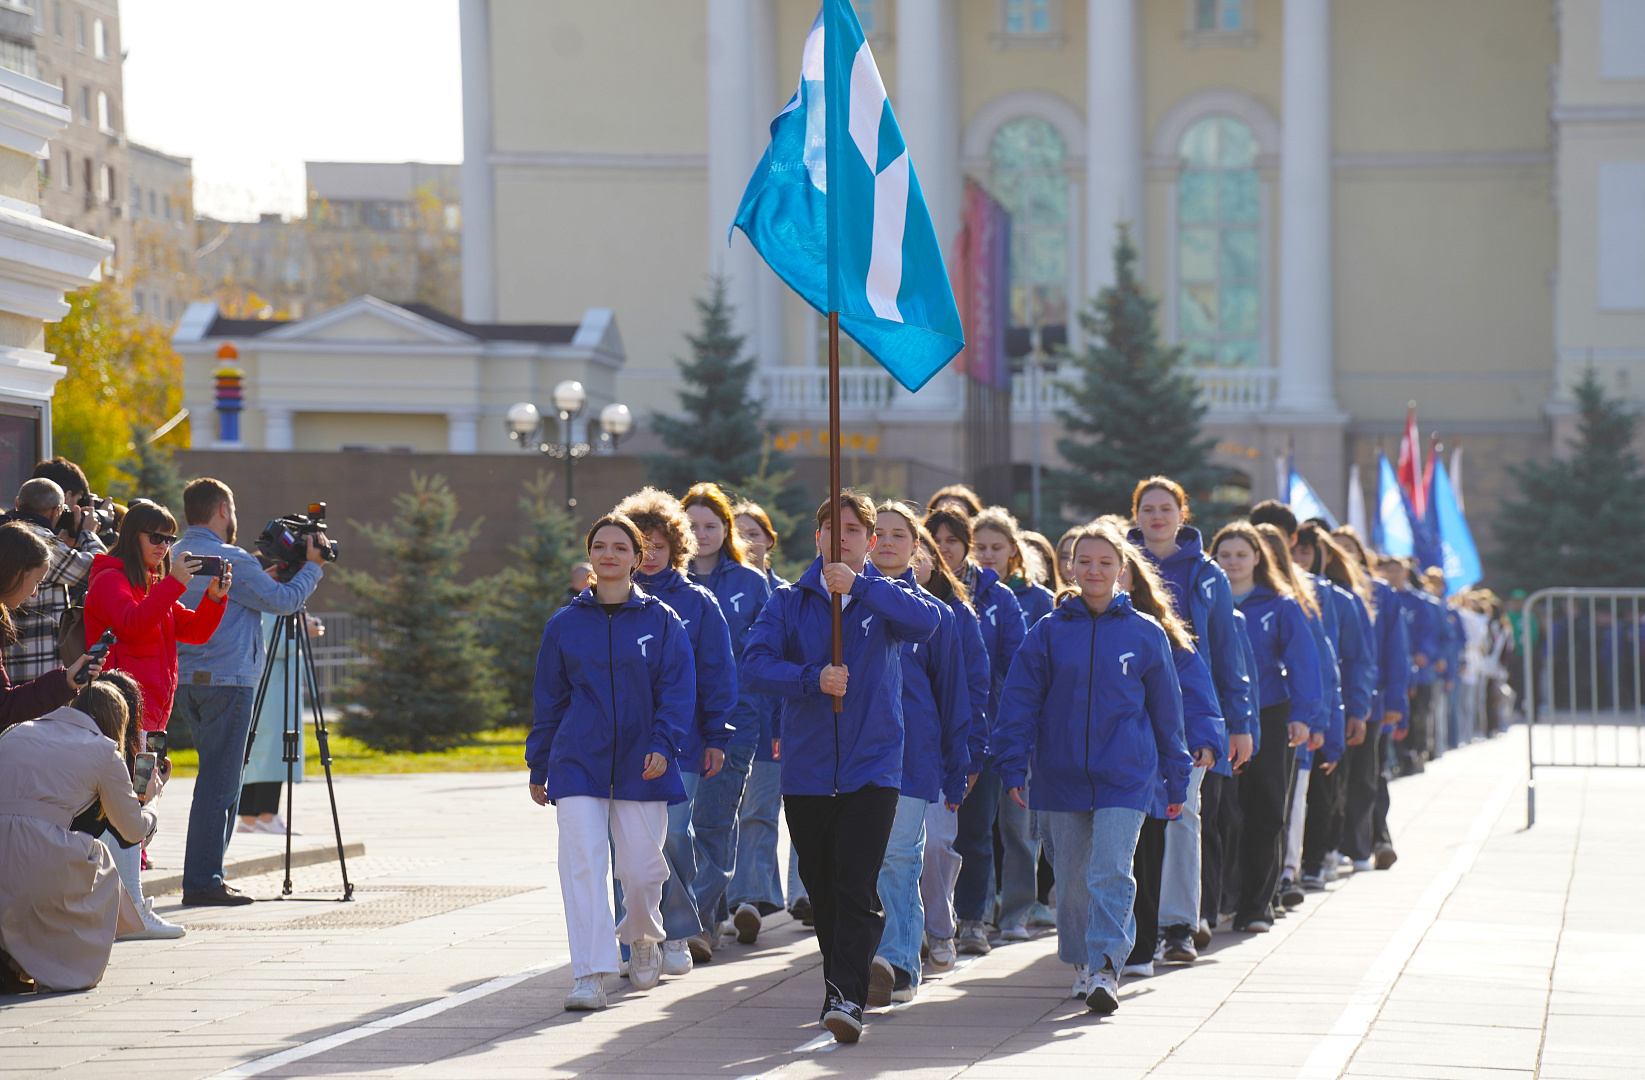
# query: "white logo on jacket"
[1267,620]
[1209,585]
[736,603]
[990,613]
[865,623]
[641,643]
[1125,662]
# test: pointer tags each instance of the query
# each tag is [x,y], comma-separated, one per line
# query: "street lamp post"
[525,426]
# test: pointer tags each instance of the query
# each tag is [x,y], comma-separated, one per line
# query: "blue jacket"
[936,712]
[771,708]
[716,664]
[1287,661]
[1201,717]
[741,591]
[1422,630]
[1093,702]
[1035,600]
[1356,653]
[1393,655]
[1200,590]
[1249,654]
[824,752]
[610,690]
[1327,628]
[234,655]
[978,680]
[1000,618]
[1455,640]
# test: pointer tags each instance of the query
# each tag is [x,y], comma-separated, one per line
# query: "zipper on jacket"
[611,671]
[1090,698]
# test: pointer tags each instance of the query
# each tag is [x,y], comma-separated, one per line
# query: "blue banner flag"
[835,209]
[1459,558]
[1305,503]
[1391,531]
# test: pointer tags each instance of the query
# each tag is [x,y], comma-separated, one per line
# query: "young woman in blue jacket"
[1200,594]
[1092,708]
[1365,830]
[721,567]
[670,545]
[615,691]
[1288,686]
[936,719]
[1001,620]
[841,769]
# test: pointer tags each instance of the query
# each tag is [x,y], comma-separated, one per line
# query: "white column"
[1305,329]
[1113,125]
[463,431]
[770,293]
[276,429]
[475,180]
[927,108]
[731,158]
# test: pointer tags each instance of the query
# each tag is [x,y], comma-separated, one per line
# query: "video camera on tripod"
[284,541]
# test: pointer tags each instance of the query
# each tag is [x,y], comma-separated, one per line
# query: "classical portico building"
[1342,206]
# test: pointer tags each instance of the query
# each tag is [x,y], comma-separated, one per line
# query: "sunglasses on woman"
[161,539]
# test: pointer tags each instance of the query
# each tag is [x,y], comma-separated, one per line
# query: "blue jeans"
[974,893]
[680,919]
[1095,848]
[714,818]
[219,718]
[899,887]
[757,880]
[1019,870]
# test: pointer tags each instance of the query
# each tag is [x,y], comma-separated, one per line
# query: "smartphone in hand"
[208,565]
[143,772]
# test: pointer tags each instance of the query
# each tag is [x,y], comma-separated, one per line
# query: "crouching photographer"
[218,680]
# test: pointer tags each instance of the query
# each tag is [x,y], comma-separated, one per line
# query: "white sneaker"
[155,927]
[276,825]
[725,933]
[1363,866]
[1104,996]
[587,994]
[1014,933]
[645,965]
[676,958]
[246,826]
[1138,971]
[747,922]
[942,954]
[1082,981]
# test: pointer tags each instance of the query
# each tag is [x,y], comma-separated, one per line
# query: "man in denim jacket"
[217,681]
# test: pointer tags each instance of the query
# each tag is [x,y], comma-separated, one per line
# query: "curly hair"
[652,510]
[710,496]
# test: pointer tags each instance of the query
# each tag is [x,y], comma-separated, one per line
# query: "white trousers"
[1179,892]
[589,829]
[1295,817]
[941,871]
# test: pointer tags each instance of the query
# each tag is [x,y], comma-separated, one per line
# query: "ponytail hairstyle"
[650,510]
[711,496]
[1149,594]
[1279,549]
[1110,530]
[21,552]
[1036,547]
[959,493]
[999,519]
[1353,548]
[619,520]
[1263,572]
[1333,561]
[133,693]
[760,517]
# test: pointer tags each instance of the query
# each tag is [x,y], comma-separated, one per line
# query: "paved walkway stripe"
[1337,1048]
[387,1023]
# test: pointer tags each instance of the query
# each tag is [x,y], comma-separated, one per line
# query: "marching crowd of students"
[1135,737]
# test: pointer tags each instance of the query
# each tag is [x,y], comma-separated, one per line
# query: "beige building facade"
[1342,206]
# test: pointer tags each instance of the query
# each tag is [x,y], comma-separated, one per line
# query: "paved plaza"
[1489,951]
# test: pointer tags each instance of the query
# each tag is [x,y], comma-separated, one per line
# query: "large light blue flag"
[835,209]
[1459,558]
[1305,503]
[1391,529]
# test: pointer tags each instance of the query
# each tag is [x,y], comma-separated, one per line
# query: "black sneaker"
[222,895]
[844,1019]
[1291,894]
[1179,945]
[802,911]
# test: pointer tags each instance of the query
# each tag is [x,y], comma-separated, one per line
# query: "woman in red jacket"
[135,591]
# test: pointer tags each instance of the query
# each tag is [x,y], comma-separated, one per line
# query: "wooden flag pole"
[834,482]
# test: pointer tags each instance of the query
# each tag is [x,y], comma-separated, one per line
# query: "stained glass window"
[1219,245]
[1027,176]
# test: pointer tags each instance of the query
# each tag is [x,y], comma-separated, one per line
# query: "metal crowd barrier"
[1584,683]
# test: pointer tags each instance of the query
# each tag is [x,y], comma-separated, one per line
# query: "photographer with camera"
[83,512]
[219,678]
[41,505]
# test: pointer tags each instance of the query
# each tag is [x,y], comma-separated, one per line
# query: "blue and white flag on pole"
[835,209]
[1391,531]
[1304,502]
[1458,557]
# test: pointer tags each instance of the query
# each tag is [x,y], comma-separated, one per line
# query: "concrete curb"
[161,884]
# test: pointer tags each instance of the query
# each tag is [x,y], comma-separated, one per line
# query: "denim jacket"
[234,655]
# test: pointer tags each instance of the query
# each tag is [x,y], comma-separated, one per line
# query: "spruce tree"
[428,682]
[524,594]
[1579,520]
[720,436]
[1134,411]
[784,503]
[152,475]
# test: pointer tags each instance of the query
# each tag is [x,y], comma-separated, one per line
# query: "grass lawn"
[490,751]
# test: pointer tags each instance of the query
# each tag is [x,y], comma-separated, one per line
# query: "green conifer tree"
[784,503]
[428,682]
[1580,519]
[150,473]
[720,437]
[1133,411]
[524,594]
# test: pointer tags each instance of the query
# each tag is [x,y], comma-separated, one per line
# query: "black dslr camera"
[99,516]
[284,541]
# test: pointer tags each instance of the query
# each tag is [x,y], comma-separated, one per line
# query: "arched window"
[1026,174]
[1219,245]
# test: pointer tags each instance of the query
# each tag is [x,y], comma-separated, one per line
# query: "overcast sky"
[250,89]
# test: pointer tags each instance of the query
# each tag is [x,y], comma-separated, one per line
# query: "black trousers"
[1231,824]
[1264,788]
[1147,866]
[1320,826]
[1213,826]
[1385,769]
[841,842]
[259,799]
[1362,766]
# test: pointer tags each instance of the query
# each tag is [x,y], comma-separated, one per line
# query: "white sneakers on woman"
[645,965]
[155,927]
[587,994]
[1082,981]
[676,958]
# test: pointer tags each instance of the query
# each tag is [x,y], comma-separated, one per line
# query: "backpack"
[71,633]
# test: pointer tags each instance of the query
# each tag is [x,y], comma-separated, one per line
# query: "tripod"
[289,641]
